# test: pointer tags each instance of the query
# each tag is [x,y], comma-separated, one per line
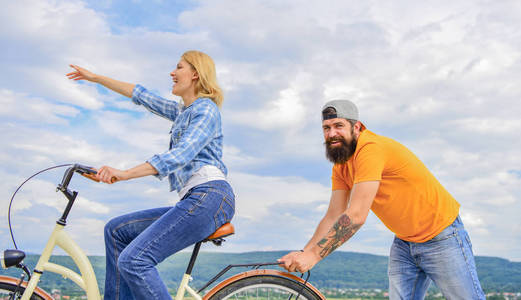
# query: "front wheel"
[8,286]
[265,286]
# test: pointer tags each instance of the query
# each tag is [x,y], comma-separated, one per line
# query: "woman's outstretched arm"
[124,88]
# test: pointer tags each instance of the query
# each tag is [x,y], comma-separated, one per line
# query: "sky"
[441,77]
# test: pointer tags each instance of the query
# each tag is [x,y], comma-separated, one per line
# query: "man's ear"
[357,126]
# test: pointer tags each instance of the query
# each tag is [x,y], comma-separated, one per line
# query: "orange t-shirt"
[410,201]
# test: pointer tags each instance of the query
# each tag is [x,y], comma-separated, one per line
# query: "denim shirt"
[196,136]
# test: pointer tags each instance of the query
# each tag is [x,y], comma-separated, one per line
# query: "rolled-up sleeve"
[201,130]
[165,108]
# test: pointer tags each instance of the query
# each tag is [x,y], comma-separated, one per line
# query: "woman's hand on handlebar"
[81,74]
[111,175]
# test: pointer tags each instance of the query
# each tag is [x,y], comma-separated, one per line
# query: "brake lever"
[90,176]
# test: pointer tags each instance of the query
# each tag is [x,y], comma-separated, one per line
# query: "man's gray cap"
[343,109]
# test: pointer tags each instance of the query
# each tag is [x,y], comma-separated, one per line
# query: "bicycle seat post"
[216,238]
[195,252]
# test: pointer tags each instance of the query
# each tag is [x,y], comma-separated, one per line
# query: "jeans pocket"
[196,200]
[445,234]
[225,212]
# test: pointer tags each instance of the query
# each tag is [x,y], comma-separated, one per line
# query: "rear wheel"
[266,287]
[6,288]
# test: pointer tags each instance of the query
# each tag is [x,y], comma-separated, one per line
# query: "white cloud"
[489,125]
[234,157]
[51,20]
[42,192]
[442,78]
[46,144]
[258,195]
[28,108]
[86,230]
[91,206]
[288,110]
[149,133]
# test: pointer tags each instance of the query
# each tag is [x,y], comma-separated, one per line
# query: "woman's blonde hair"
[207,84]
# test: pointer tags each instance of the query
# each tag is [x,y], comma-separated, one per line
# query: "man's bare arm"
[351,220]
[337,205]
[346,225]
[340,232]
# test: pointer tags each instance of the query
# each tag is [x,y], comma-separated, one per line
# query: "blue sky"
[441,77]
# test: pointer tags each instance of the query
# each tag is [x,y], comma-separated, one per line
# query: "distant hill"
[339,270]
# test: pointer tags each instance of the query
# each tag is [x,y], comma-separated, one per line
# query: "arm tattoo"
[342,231]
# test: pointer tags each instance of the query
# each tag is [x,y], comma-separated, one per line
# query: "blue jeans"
[446,259]
[135,243]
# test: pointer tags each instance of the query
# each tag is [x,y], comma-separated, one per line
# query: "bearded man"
[373,172]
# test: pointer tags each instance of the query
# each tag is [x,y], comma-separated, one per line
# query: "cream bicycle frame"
[87,279]
[184,287]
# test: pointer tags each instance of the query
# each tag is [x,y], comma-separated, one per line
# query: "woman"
[138,241]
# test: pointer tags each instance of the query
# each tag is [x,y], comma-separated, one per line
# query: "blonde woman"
[135,243]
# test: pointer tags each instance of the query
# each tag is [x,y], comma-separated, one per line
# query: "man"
[375,172]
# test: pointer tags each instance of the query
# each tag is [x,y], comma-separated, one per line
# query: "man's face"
[340,139]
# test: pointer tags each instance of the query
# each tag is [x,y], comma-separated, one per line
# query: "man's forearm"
[343,229]
[322,229]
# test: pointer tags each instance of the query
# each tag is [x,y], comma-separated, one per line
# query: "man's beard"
[340,154]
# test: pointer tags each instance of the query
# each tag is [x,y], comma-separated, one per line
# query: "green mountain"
[339,270]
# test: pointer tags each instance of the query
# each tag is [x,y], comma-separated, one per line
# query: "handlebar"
[87,172]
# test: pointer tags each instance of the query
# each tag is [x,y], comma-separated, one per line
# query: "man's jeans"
[446,259]
[138,241]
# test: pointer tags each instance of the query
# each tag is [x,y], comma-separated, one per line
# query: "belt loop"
[457,223]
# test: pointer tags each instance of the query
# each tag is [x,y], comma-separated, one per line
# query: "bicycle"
[257,283]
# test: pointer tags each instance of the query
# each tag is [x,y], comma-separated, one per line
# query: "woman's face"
[184,77]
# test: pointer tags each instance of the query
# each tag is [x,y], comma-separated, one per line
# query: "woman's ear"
[195,75]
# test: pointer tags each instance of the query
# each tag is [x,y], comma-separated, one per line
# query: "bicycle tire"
[8,285]
[262,286]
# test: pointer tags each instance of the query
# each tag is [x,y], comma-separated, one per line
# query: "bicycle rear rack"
[252,265]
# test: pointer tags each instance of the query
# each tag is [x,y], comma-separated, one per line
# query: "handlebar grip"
[90,173]
[93,177]
[90,176]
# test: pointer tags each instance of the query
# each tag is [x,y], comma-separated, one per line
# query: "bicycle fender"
[251,273]
[15,281]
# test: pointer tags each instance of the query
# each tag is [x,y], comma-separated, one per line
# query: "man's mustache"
[334,140]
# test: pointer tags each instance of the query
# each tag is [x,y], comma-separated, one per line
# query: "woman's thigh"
[127,227]
[191,220]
